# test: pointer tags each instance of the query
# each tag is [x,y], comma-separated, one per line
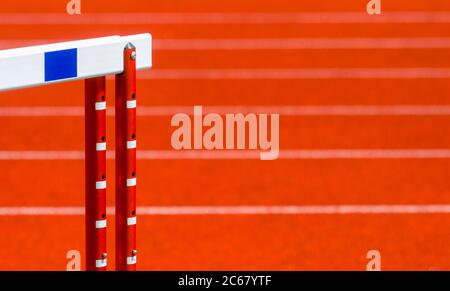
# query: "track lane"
[296,132]
[219,31]
[253,243]
[188,182]
[342,58]
[249,92]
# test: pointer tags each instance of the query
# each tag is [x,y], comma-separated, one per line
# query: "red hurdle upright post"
[95,169]
[126,163]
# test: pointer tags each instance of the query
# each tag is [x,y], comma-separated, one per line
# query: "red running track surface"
[413,240]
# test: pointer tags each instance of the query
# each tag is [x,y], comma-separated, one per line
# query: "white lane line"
[287,110]
[265,210]
[239,155]
[41,111]
[17,43]
[301,43]
[331,110]
[298,154]
[294,74]
[241,210]
[24,211]
[41,155]
[223,18]
[366,154]
[272,44]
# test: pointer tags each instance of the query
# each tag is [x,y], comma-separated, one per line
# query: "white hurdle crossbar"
[66,61]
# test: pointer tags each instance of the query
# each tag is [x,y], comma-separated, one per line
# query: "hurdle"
[93,60]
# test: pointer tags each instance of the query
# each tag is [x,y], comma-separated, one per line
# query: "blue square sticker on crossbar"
[60,65]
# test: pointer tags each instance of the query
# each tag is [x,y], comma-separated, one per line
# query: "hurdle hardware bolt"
[104,255]
[134,252]
[130,46]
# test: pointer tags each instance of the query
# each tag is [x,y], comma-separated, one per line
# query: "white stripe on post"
[131,182]
[131,104]
[100,106]
[131,144]
[101,146]
[131,221]
[100,263]
[131,260]
[100,185]
[100,224]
